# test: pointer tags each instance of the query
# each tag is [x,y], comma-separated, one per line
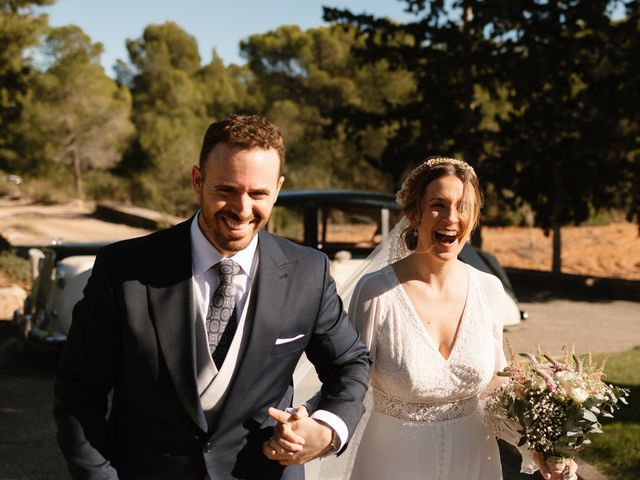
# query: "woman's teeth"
[445,236]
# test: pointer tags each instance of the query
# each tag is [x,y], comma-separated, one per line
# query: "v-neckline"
[420,325]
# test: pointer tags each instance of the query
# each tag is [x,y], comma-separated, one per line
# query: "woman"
[434,328]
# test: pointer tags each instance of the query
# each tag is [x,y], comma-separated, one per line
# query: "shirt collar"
[204,255]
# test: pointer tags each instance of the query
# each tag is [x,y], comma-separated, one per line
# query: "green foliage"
[169,114]
[539,96]
[104,185]
[78,117]
[309,80]
[178,199]
[623,368]
[617,452]
[16,268]
[228,90]
[556,88]
[596,218]
[20,28]
[449,61]
[536,95]
[50,188]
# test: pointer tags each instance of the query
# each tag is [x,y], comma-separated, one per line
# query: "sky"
[214,23]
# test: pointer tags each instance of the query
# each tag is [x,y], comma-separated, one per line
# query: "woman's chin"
[447,251]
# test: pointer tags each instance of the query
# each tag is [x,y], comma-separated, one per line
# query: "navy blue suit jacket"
[133,334]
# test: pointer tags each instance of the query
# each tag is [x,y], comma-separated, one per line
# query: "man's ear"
[196,179]
[280,182]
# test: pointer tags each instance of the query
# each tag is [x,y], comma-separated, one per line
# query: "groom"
[196,330]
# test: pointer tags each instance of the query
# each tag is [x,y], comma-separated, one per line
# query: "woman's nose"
[451,215]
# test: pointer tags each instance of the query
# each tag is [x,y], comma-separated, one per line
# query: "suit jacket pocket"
[280,349]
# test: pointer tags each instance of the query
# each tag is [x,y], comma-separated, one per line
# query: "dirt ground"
[25,223]
[604,251]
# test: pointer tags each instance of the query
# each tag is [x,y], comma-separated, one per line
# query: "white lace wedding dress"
[426,422]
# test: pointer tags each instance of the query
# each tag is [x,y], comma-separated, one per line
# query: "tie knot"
[226,269]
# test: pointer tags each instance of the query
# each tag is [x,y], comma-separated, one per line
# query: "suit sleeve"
[339,356]
[85,376]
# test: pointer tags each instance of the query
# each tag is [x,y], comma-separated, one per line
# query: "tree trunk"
[556,264]
[469,130]
[77,174]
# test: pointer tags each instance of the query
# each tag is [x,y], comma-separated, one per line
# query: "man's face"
[237,190]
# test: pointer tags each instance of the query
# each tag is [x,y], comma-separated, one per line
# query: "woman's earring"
[414,232]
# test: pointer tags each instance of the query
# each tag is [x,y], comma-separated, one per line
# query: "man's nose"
[242,206]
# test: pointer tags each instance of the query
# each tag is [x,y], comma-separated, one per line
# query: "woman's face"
[442,230]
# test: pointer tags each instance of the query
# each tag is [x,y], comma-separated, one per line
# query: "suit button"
[208,447]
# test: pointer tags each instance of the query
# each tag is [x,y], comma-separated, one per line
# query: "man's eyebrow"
[265,190]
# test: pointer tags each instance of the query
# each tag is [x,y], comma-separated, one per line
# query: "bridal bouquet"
[556,404]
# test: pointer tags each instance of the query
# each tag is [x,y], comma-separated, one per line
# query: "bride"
[433,325]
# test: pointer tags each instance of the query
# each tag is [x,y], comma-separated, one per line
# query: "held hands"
[551,470]
[297,438]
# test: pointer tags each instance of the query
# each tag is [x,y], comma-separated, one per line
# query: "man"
[196,331]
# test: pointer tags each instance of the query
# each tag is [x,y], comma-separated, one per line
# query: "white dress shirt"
[205,281]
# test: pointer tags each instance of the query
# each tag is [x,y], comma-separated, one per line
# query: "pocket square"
[280,341]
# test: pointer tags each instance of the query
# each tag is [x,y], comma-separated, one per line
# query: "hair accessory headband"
[433,162]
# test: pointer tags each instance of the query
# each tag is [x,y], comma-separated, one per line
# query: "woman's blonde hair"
[410,196]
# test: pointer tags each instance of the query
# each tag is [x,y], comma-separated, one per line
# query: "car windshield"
[333,227]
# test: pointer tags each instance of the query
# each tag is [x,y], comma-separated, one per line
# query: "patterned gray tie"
[221,315]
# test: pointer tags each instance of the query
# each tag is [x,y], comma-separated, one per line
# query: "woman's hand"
[554,470]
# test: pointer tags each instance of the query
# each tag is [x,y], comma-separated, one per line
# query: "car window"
[357,227]
[331,228]
[287,222]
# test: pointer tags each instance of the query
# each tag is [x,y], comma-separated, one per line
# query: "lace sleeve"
[364,312]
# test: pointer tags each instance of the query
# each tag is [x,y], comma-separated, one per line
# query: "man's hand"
[297,438]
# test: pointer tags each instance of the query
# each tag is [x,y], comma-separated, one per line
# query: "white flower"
[578,394]
[572,384]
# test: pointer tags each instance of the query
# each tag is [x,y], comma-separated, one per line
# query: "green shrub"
[16,268]
[597,218]
[102,185]
[55,187]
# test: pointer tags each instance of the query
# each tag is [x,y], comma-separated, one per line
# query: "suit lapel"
[269,297]
[170,291]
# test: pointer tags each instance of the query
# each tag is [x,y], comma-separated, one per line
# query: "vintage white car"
[345,224]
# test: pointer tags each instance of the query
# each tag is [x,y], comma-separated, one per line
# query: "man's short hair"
[245,131]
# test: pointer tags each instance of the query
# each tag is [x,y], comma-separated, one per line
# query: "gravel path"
[599,326]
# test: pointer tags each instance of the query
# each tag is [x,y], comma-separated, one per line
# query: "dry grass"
[602,251]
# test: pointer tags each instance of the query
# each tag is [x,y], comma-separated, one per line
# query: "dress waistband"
[422,412]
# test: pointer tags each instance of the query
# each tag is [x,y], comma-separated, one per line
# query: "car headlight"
[61,273]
